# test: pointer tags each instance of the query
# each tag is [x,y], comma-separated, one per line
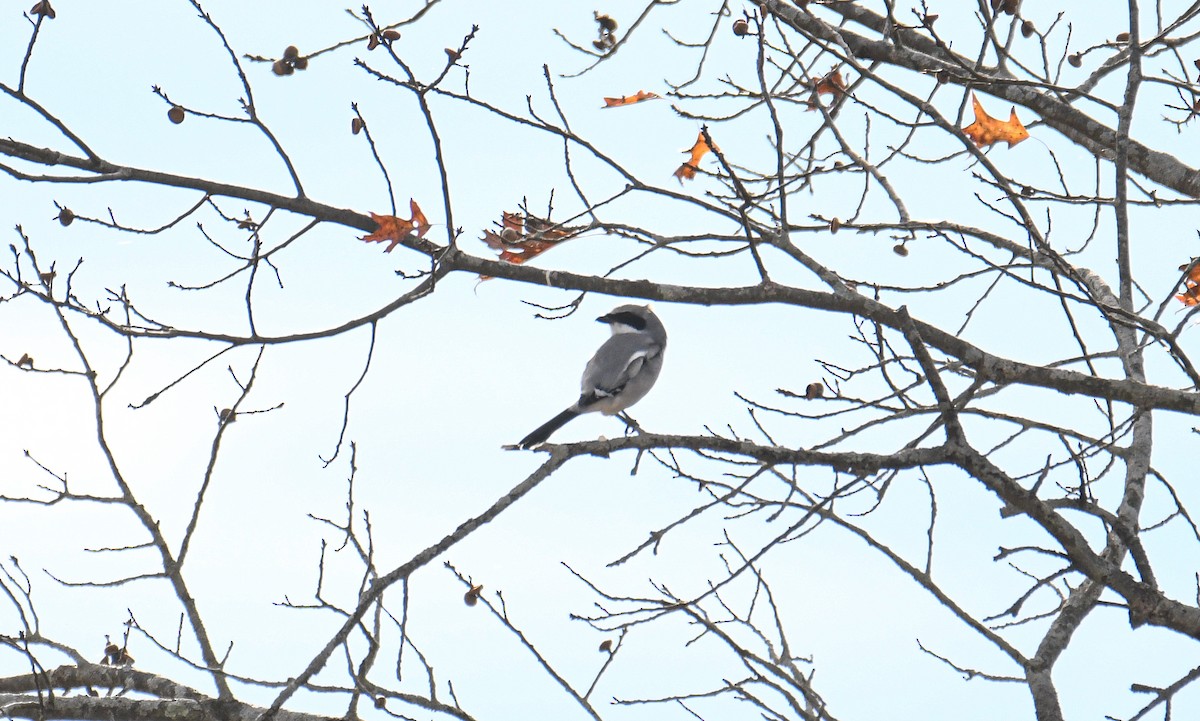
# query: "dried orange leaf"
[390,228]
[987,130]
[687,171]
[637,97]
[493,241]
[526,250]
[395,229]
[1190,297]
[524,237]
[1191,285]
[831,84]
[418,218]
[544,229]
[512,221]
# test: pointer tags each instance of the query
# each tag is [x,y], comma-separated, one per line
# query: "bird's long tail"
[543,431]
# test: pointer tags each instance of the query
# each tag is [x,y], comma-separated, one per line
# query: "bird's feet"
[631,426]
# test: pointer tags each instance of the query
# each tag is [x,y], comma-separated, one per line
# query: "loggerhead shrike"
[621,372]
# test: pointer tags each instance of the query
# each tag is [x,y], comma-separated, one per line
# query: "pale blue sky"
[460,374]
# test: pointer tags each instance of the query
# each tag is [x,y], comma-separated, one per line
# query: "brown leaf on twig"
[523,237]
[987,130]
[831,84]
[1191,285]
[687,171]
[290,62]
[606,33]
[396,229]
[638,97]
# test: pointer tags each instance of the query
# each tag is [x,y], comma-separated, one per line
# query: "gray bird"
[620,374]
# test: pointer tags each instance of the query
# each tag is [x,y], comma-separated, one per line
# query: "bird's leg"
[631,426]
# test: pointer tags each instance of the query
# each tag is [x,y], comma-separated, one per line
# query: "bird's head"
[634,319]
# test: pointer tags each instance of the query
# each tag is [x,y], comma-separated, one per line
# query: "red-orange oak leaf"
[512,221]
[831,84]
[1191,285]
[418,218]
[624,100]
[987,130]
[395,229]
[525,237]
[687,171]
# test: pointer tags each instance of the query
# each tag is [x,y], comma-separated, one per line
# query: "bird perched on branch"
[620,374]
